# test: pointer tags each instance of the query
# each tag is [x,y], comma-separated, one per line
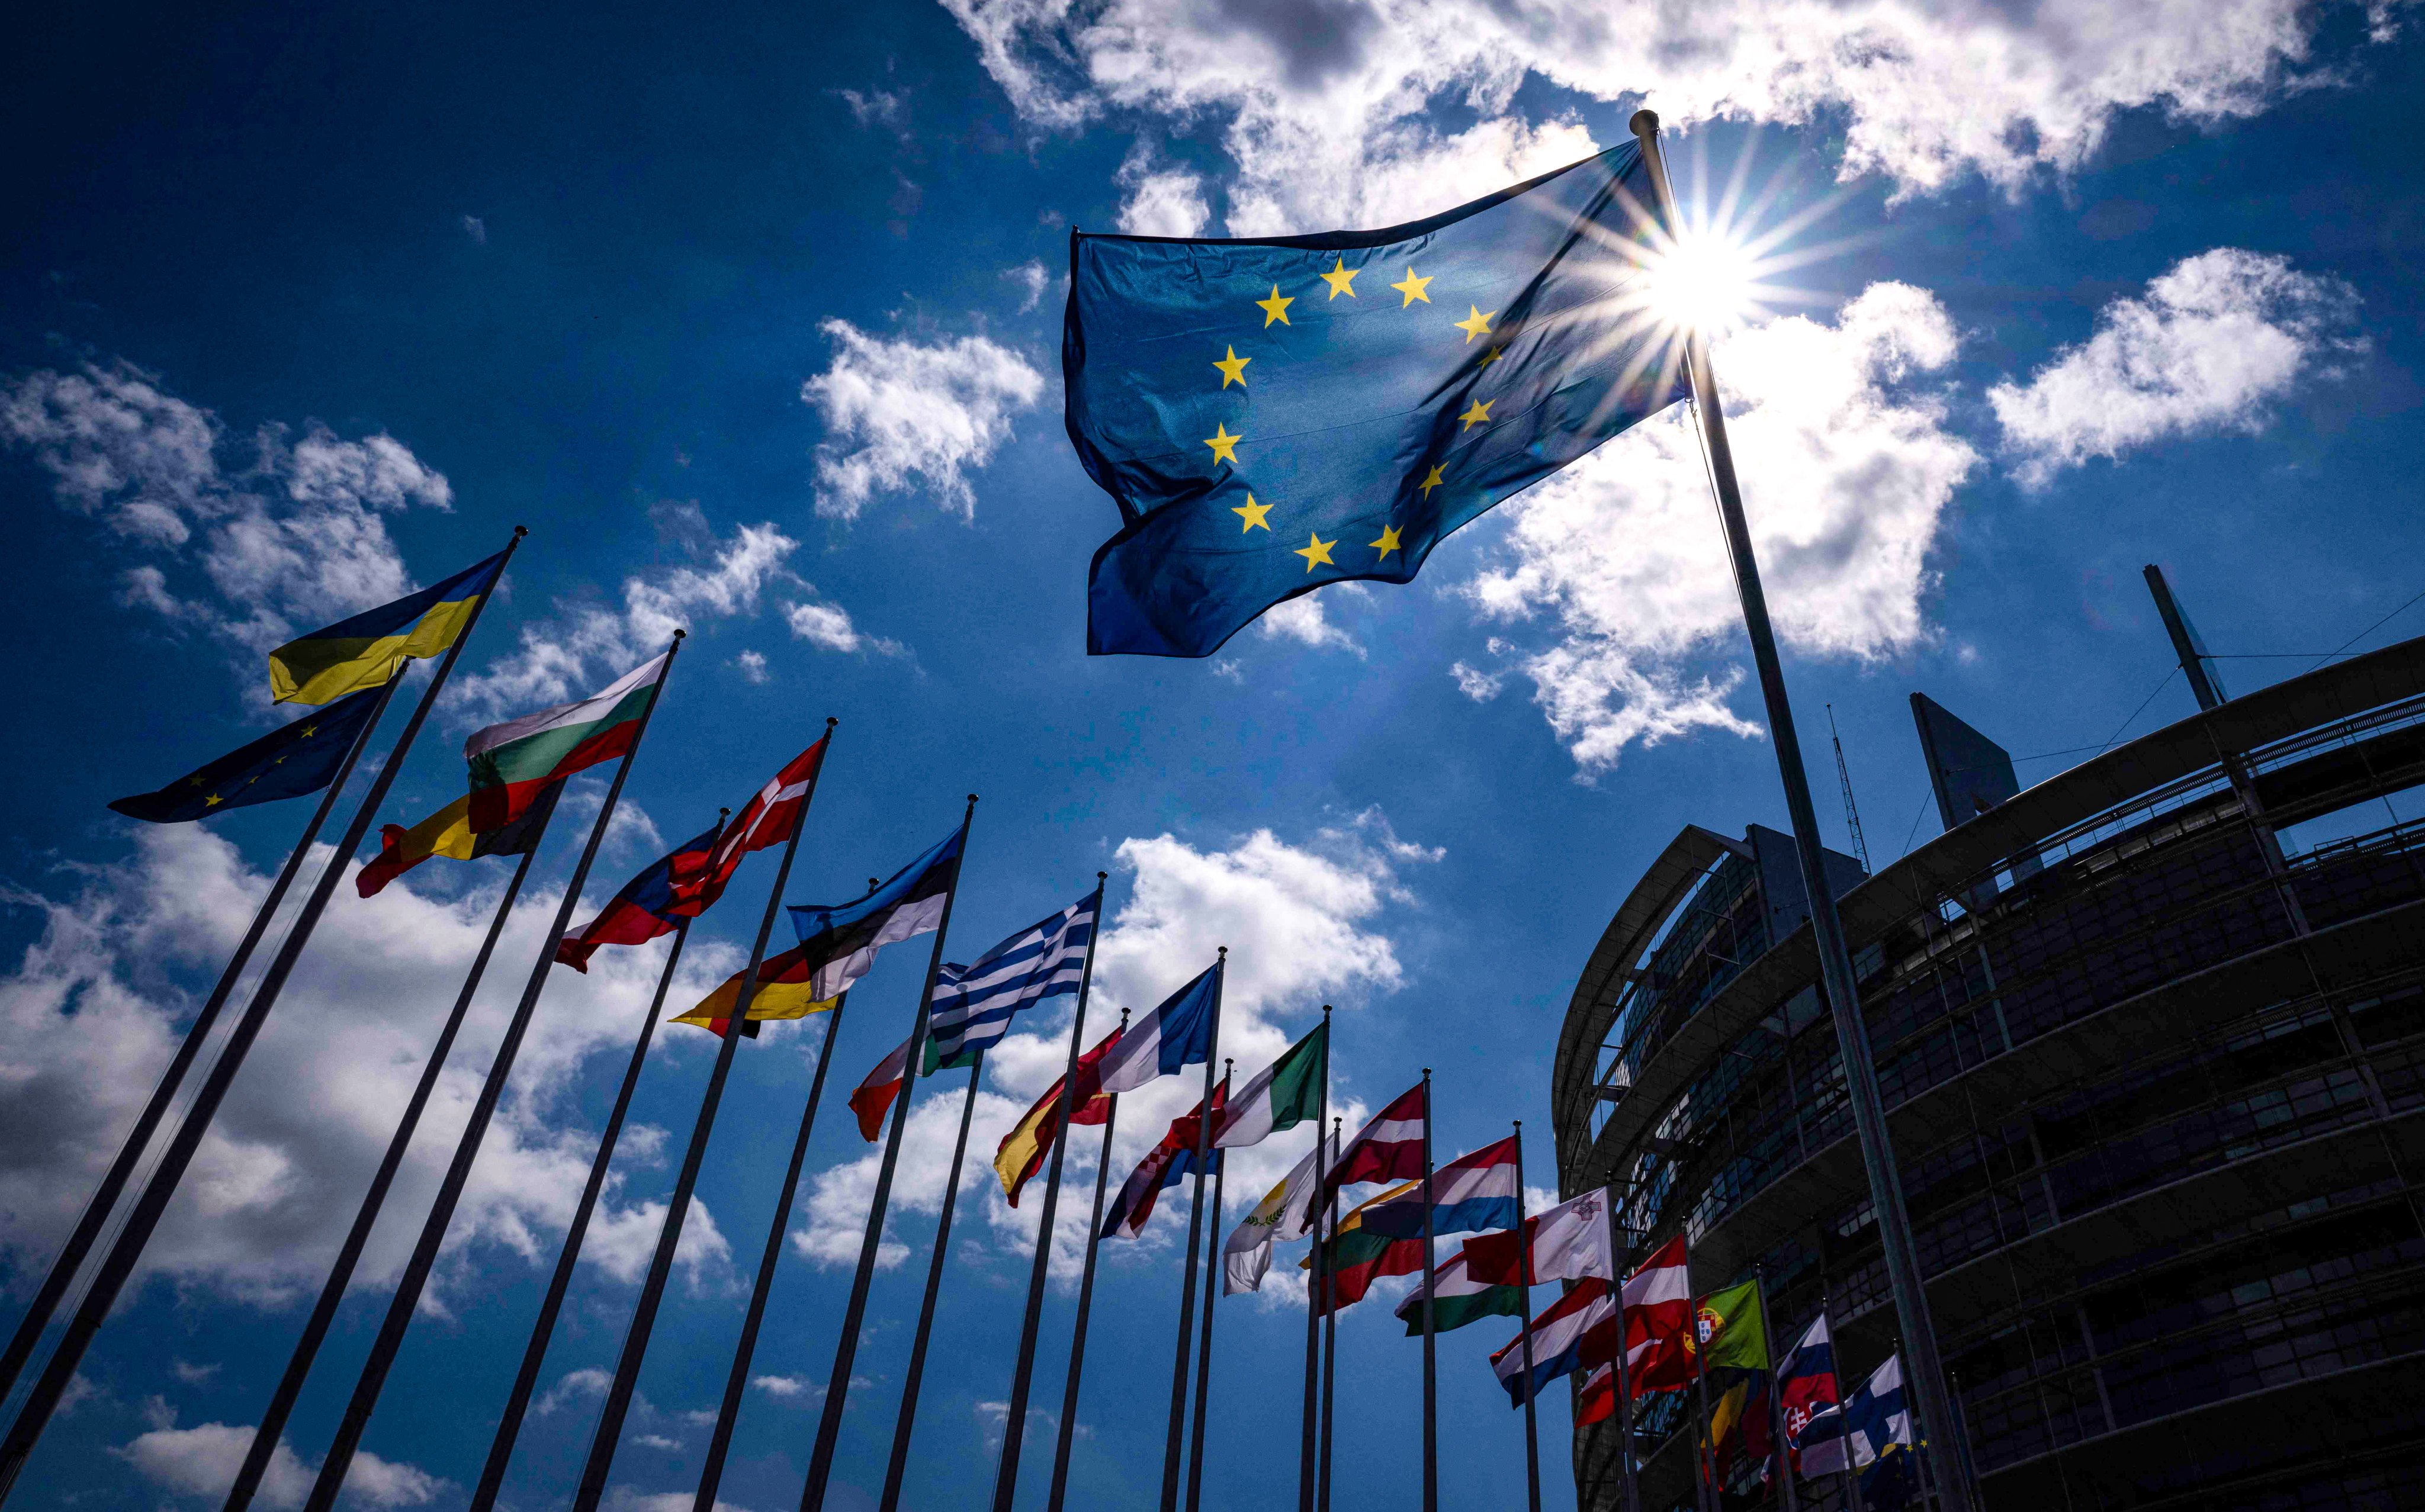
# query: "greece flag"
[974,1005]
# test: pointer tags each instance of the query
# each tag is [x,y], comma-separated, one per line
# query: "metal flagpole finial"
[520,530]
[681,634]
[1645,123]
[1223,953]
[1102,876]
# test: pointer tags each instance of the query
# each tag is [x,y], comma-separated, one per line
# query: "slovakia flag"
[1814,1420]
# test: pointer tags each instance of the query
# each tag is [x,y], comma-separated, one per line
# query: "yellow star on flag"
[1224,446]
[1342,279]
[1493,355]
[1474,324]
[1433,480]
[1317,552]
[1276,307]
[1413,288]
[212,800]
[1233,369]
[1480,412]
[1253,515]
[1388,543]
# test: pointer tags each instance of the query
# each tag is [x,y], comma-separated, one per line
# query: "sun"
[1707,281]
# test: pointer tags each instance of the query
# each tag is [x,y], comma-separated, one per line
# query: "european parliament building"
[2151,1039]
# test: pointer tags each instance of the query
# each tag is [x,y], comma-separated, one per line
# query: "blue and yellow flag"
[1273,416]
[362,652]
[299,758]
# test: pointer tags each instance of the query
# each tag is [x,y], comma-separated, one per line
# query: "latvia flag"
[1390,1149]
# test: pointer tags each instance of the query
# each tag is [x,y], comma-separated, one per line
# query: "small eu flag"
[1272,416]
[300,759]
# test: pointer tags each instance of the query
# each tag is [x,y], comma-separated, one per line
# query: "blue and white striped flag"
[974,1005]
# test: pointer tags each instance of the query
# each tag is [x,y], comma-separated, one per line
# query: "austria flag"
[1657,1315]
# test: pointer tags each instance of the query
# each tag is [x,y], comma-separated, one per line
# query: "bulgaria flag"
[512,761]
[1287,1093]
[1459,1299]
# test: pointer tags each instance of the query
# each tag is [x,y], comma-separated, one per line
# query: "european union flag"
[298,759]
[1273,416]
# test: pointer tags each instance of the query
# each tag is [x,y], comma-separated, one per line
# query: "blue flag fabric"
[288,762]
[839,941]
[1272,416]
[1177,1033]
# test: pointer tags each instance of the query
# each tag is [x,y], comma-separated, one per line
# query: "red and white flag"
[1658,1318]
[1569,1242]
[1391,1148]
[874,1096]
[768,819]
[1599,1402]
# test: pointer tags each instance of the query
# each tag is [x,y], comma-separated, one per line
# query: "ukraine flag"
[362,652]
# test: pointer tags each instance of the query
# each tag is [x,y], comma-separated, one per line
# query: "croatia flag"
[1576,1333]
[1657,1318]
[1814,1420]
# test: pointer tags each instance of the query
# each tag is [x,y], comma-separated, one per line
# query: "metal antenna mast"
[1852,813]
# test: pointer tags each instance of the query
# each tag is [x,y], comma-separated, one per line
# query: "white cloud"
[752,666]
[583,647]
[828,627]
[203,1461]
[898,412]
[2217,338]
[1032,280]
[1323,108]
[887,108]
[294,538]
[624,1499]
[571,1387]
[1299,922]
[1847,468]
[787,1388]
[1482,687]
[275,1182]
[476,229]
[1302,620]
[1160,201]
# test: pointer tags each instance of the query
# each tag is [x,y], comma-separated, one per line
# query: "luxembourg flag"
[1658,1311]
[1814,1422]
[1470,1194]
[1579,1331]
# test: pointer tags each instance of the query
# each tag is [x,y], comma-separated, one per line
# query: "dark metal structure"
[2151,1038]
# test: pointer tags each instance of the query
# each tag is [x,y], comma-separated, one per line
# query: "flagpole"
[813,1495]
[1066,1429]
[1827,927]
[1619,1253]
[121,1167]
[324,1312]
[905,1420]
[145,1216]
[407,1301]
[501,1448]
[1329,1326]
[1204,1345]
[1314,1294]
[1014,1427]
[1775,1397]
[1194,1220]
[1431,1374]
[611,1412]
[1703,1469]
[737,1379]
[1524,1277]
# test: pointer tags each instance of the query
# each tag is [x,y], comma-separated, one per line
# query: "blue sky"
[752,317]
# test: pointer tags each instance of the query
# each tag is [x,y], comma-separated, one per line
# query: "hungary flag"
[512,761]
[1459,1299]
[1287,1093]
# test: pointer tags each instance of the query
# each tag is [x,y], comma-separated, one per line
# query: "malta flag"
[1021,1153]
[767,820]
[1391,1148]
[1568,1243]
[1578,1331]
[1659,1320]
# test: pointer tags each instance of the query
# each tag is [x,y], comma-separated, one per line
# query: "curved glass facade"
[2156,1077]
